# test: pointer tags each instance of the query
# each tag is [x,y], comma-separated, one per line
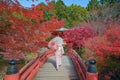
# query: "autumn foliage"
[24,29]
[106,45]
[106,50]
[76,37]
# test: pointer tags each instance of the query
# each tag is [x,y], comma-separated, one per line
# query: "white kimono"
[56,44]
[58,55]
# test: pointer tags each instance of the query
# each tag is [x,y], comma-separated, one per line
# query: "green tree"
[73,14]
[92,5]
[60,8]
[53,1]
[76,14]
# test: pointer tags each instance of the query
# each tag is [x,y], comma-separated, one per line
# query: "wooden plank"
[65,72]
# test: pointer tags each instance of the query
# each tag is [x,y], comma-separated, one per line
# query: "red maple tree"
[24,29]
[104,46]
[76,37]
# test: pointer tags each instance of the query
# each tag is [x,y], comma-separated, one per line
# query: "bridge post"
[12,71]
[92,73]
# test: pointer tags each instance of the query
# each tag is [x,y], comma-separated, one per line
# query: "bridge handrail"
[30,69]
[26,73]
[81,68]
[22,70]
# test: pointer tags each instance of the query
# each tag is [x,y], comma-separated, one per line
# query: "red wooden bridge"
[43,68]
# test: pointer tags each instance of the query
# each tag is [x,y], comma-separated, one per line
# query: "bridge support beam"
[92,73]
[12,71]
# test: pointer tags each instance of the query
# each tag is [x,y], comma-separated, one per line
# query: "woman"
[56,44]
[58,55]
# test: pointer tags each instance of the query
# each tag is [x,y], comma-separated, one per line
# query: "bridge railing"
[83,72]
[29,70]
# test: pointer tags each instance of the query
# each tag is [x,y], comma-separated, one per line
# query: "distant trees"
[105,3]
[96,10]
[97,4]
[60,8]
[77,13]
[71,14]
[93,5]
[108,9]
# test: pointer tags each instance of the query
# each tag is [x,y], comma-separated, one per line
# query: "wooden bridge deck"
[65,72]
